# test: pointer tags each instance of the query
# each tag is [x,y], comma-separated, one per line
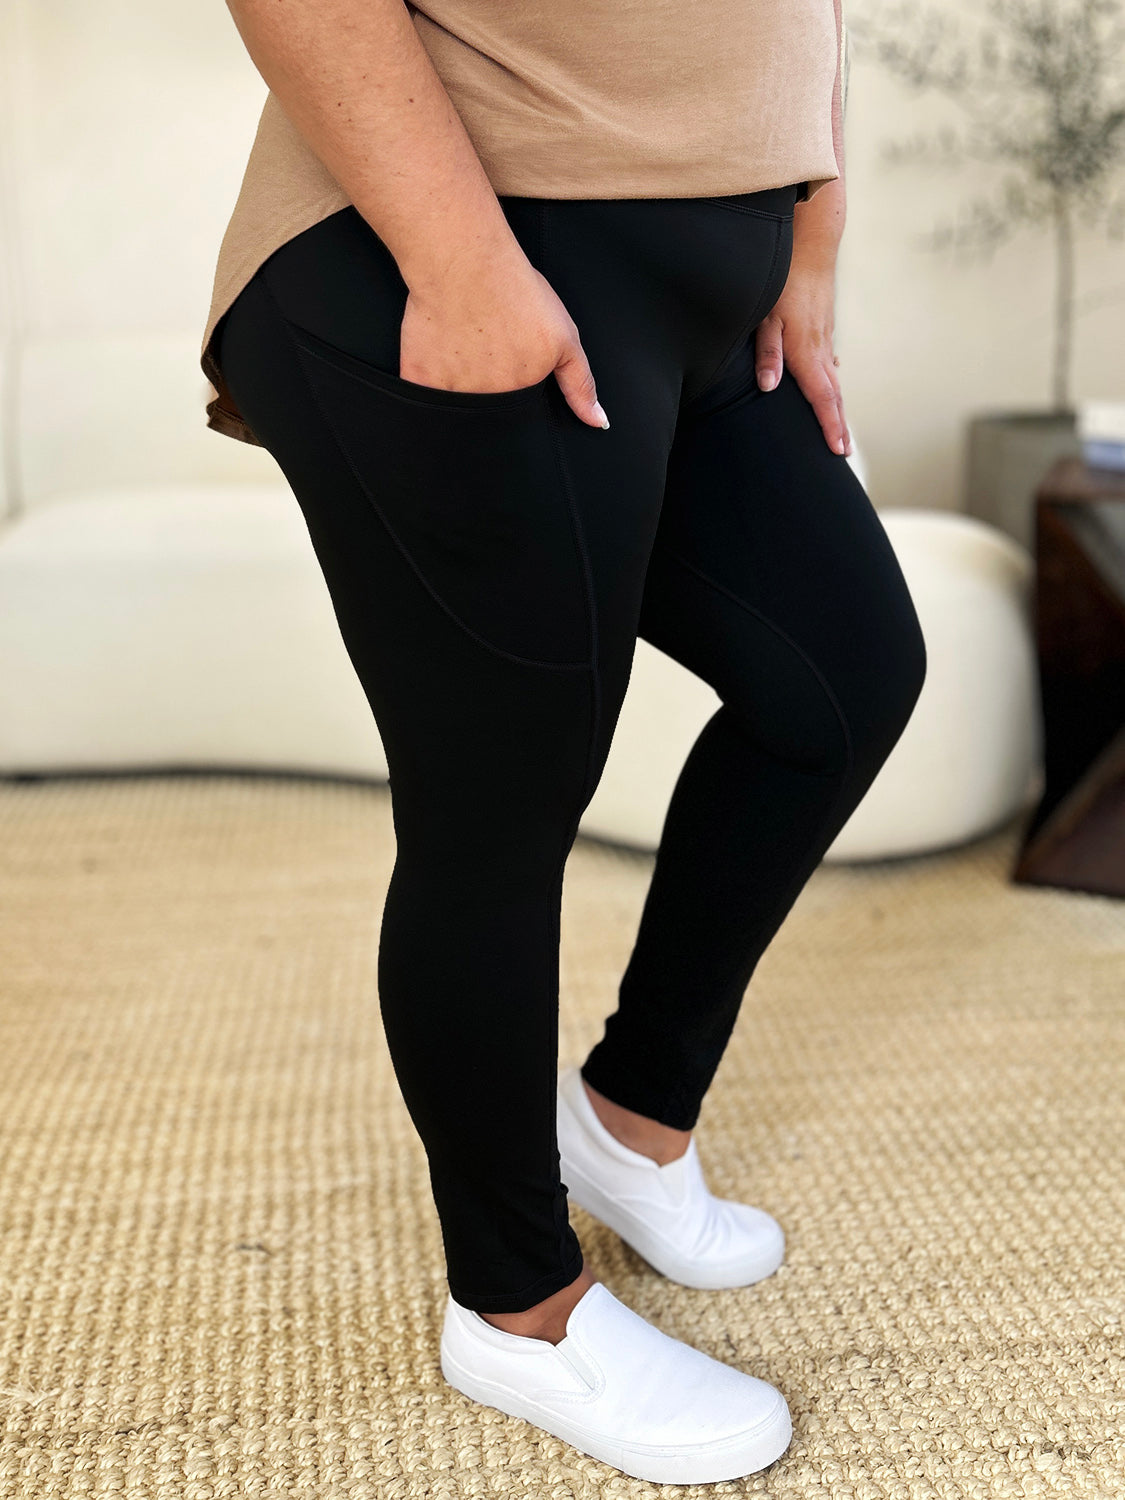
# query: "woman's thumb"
[576,381]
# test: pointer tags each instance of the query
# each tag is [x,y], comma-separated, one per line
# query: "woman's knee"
[880,690]
[829,707]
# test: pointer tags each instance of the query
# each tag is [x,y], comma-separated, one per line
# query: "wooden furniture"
[1076,835]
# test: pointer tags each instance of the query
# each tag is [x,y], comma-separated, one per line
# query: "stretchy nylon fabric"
[492,560]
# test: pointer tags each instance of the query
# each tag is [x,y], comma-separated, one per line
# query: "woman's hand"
[357,82]
[798,333]
[495,326]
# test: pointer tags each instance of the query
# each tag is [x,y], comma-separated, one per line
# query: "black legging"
[492,560]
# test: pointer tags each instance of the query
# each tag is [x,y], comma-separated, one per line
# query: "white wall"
[925,340]
[124,128]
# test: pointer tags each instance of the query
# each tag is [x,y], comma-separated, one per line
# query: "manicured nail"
[599,412]
[767,380]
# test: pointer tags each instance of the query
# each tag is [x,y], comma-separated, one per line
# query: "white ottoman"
[174,626]
[969,758]
[971,755]
[189,625]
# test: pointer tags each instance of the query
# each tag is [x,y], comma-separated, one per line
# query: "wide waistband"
[774,203]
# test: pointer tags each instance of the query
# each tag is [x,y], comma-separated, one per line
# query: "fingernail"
[599,412]
[767,380]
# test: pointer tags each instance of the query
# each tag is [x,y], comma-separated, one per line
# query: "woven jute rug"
[221,1269]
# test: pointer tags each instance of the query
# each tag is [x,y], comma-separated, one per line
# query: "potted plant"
[1040,86]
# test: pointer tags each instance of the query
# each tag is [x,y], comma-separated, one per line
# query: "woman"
[468,231]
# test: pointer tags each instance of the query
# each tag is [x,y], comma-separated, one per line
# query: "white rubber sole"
[706,1463]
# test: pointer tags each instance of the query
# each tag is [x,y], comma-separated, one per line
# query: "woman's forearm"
[357,82]
[819,224]
[798,332]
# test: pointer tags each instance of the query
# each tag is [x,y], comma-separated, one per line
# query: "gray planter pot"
[1008,455]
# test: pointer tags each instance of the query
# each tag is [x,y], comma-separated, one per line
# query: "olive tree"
[1040,89]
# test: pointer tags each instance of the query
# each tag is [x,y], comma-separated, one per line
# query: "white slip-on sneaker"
[621,1390]
[665,1212]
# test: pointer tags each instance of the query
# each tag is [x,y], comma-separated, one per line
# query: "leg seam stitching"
[787,638]
[580,543]
[788,893]
[591,615]
[526,661]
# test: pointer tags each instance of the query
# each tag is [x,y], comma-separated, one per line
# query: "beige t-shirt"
[582,99]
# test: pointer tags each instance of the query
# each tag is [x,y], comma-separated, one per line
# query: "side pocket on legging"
[467,484]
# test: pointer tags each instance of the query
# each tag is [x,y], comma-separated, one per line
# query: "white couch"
[160,604]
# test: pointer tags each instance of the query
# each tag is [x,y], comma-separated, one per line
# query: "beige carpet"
[221,1270]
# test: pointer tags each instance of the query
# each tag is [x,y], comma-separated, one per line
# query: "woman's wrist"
[814,257]
[482,245]
[818,227]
